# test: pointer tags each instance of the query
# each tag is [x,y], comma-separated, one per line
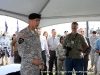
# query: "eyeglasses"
[82,31]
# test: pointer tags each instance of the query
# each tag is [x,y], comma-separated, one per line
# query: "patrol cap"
[94,32]
[75,23]
[34,16]
[62,37]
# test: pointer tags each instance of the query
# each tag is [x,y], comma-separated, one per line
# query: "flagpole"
[87,28]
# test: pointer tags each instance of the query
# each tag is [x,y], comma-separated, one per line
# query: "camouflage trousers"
[92,56]
[95,63]
[60,67]
[98,65]
[29,69]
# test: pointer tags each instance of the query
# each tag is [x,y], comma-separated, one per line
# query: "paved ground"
[11,62]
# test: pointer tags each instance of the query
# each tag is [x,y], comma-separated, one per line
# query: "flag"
[6,27]
[17,27]
[7,52]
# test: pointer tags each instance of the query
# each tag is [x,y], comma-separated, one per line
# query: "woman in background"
[47,59]
[45,34]
[60,53]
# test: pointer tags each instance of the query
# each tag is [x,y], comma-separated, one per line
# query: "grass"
[75,74]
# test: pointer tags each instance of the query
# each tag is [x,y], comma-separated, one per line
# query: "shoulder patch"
[21,39]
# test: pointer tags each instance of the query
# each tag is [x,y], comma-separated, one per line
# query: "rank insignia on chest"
[22,36]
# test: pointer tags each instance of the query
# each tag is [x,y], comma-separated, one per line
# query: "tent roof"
[53,11]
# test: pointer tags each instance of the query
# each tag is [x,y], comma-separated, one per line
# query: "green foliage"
[59,35]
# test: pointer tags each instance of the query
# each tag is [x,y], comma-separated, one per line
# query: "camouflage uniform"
[98,66]
[92,53]
[60,53]
[97,48]
[29,49]
[95,62]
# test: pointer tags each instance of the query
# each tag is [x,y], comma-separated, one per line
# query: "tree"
[59,35]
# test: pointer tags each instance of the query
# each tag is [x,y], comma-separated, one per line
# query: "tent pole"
[87,29]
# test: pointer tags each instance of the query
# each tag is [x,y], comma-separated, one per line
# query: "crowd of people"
[38,54]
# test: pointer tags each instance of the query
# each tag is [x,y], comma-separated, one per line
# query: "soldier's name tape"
[70,71]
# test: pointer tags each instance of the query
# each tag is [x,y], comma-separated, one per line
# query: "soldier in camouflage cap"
[94,56]
[60,53]
[29,47]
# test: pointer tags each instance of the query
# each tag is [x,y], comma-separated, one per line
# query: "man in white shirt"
[5,40]
[45,51]
[53,42]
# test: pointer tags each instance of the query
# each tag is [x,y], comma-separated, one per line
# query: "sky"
[60,28]
[12,24]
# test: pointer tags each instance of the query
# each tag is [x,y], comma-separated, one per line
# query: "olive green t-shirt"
[77,42]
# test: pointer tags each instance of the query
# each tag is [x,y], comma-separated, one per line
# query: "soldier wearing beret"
[29,47]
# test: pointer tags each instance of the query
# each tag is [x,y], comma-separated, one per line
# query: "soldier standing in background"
[98,31]
[93,55]
[29,47]
[65,33]
[60,53]
[97,50]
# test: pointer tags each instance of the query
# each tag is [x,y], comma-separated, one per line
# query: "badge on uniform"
[72,42]
[21,39]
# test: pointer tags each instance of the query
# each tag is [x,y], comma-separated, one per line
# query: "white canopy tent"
[53,11]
